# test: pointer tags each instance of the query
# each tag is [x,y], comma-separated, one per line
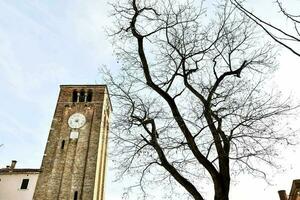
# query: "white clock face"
[76,120]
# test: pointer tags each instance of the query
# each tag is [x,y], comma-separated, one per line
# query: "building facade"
[74,161]
[17,184]
[294,192]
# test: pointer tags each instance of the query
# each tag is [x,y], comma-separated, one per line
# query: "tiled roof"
[8,170]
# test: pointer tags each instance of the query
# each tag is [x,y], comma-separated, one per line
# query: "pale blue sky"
[47,43]
[44,44]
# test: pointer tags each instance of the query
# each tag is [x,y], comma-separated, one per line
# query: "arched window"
[62,144]
[89,96]
[74,96]
[81,96]
[75,195]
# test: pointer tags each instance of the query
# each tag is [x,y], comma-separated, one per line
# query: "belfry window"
[82,96]
[89,96]
[74,96]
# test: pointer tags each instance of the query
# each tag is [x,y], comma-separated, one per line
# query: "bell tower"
[73,166]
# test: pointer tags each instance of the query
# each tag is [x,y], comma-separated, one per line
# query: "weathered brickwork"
[76,167]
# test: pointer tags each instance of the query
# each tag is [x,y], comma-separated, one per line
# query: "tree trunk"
[222,186]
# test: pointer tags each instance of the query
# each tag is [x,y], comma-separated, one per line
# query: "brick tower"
[73,165]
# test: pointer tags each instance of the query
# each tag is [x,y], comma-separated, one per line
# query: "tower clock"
[74,161]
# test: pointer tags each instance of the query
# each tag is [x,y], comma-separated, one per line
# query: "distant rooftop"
[18,171]
[294,193]
[10,169]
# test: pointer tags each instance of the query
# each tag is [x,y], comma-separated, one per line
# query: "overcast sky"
[47,43]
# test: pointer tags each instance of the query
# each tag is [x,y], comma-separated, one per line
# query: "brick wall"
[80,165]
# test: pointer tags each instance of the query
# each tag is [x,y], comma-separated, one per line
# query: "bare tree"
[190,103]
[280,35]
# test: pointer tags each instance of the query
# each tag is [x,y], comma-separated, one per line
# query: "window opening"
[75,195]
[24,184]
[81,96]
[89,96]
[62,144]
[74,96]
